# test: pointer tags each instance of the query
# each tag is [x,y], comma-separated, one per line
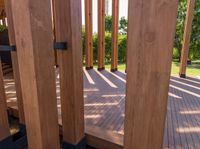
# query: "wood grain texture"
[88,31]
[34,40]
[115,28]
[101,33]
[151,29]
[187,35]
[15,64]
[3,106]
[68,29]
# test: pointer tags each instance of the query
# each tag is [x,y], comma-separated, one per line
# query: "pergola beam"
[88,31]
[101,34]
[187,36]
[34,40]
[151,30]
[115,28]
[68,29]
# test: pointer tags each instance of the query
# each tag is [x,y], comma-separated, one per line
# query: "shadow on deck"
[104,94]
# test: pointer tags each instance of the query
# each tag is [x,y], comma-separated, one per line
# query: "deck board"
[105,105]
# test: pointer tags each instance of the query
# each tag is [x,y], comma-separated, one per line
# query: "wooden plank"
[115,28]
[68,29]
[103,139]
[34,40]
[101,34]
[3,107]
[15,64]
[88,33]
[187,36]
[151,30]
[4,133]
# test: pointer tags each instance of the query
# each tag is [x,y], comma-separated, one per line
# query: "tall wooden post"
[3,107]
[88,31]
[187,35]
[115,28]
[101,34]
[151,30]
[68,29]
[34,41]
[15,64]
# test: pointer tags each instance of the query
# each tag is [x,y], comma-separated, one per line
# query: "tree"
[108,23]
[123,23]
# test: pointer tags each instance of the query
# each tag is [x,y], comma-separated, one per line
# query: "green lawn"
[193,69]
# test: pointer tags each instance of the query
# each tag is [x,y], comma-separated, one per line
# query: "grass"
[193,69]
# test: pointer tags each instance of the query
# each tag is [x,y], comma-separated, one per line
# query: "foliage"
[108,23]
[123,23]
[3,28]
[108,45]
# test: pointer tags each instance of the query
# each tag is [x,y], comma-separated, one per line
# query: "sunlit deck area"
[104,94]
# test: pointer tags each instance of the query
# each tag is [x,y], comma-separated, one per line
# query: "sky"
[123,11]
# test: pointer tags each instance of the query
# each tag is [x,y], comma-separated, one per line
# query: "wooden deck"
[104,94]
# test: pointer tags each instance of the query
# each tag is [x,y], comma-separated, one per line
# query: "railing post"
[151,30]
[88,34]
[68,29]
[101,34]
[115,28]
[186,40]
[15,64]
[34,41]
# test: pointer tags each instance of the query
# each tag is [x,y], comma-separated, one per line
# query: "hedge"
[108,45]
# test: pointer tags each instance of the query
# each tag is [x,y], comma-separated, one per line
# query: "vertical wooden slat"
[15,64]
[151,30]
[34,41]
[68,29]
[101,34]
[88,31]
[3,106]
[115,28]
[187,35]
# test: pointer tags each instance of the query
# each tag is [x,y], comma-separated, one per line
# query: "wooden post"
[3,106]
[101,34]
[151,30]
[34,41]
[68,29]
[15,64]
[186,40]
[88,31]
[115,28]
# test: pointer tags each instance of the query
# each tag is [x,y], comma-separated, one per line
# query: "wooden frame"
[150,42]
[88,33]
[101,34]
[34,41]
[187,35]
[15,64]
[68,29]
[115,28]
